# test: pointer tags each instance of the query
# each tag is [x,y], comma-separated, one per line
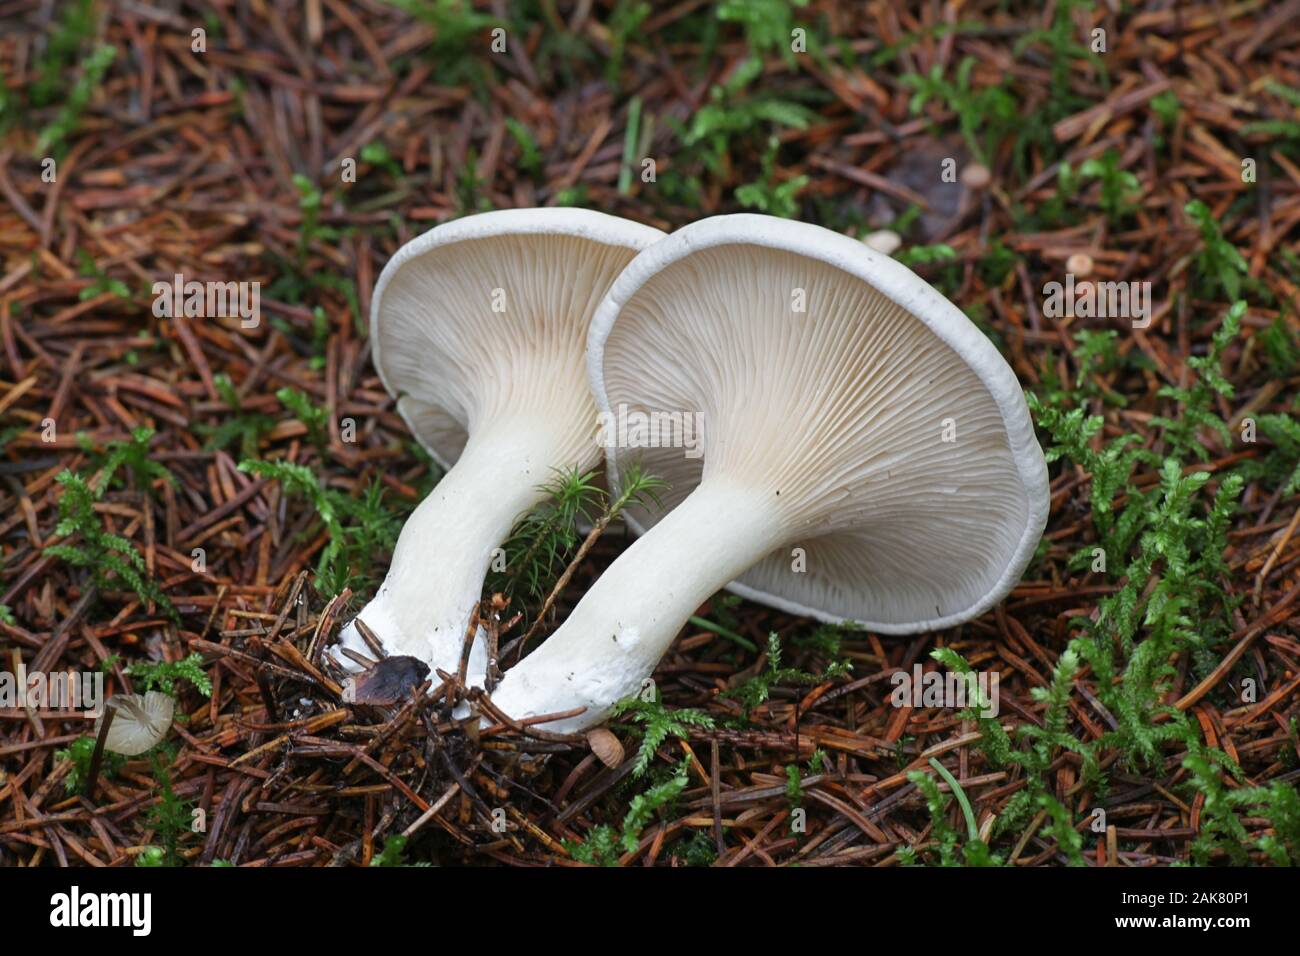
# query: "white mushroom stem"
[628,619]
[446,547]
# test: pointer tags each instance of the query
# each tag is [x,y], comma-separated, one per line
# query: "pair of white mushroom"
[867,454]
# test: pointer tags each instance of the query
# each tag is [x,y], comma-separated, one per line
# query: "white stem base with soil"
[446,547]
[625,623]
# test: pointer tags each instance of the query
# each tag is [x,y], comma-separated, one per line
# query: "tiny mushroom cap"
[140,721]
[867,455]
[478,327]
[976,176]
[884,241]
[1079,265]
[607,747]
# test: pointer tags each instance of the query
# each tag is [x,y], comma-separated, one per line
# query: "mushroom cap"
[140,721]
[838,413]
[451,360]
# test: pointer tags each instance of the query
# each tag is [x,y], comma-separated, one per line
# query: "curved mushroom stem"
[628,619]
[446,546]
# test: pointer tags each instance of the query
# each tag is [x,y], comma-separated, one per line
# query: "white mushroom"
[140,721]
[868,459]
[478,327]
[884,241]
[976,176]
[1079,265]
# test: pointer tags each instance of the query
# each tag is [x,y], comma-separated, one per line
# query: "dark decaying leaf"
[388,682]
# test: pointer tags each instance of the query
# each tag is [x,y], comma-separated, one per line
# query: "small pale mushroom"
[884,241]
[868,455]
[140,721]
[607,748]
[478,328]
[976,176]
[1079,265]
